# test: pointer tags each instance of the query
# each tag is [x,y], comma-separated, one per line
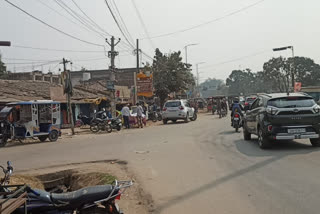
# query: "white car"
[178,110]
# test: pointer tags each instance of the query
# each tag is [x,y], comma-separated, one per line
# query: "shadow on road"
[279,148]
[214,184]
[176,123]
[228,132]
[250,148]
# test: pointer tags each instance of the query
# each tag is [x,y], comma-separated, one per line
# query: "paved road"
[199,167]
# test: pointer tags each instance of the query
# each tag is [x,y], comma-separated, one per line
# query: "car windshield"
[173,104]
[292,102]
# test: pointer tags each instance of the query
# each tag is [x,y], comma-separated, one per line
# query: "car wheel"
[3,141]
[43,138]
[315,142]
[53,136]
[246,134]
[264,143]
[165,121]
[186,120]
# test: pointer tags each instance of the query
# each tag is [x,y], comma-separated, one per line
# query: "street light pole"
[186,50]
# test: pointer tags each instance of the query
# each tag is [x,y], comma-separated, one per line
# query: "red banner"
[297,86]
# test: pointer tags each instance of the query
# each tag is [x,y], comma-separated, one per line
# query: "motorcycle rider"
[236,107]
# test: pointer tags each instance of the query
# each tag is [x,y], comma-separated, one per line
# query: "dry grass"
[26,179]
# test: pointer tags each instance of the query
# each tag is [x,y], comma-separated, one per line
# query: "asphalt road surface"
[199,167]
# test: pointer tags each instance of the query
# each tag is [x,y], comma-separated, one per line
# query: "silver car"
[178,110]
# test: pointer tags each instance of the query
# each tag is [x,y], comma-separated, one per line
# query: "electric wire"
[52,27]
[207,22]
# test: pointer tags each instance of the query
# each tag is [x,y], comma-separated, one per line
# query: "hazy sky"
[253,32]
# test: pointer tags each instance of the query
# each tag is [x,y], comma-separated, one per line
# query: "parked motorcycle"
[236,121]
[83,120]
[99,124]
[116,123]
[94,199]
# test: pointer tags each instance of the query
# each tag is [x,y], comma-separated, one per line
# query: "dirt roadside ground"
[133,201]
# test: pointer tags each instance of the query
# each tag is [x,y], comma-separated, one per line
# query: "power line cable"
[235,59]
[92,21]
[208,22]
[124,24]
[115,19]
[143,24]
[52,27]
[20,59]
[77,17]
[58,50]
[70,20]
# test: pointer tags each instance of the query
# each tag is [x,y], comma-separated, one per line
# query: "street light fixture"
[5,43]
[186,50]
[292,68]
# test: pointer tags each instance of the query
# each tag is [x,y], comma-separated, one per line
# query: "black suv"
[282,116]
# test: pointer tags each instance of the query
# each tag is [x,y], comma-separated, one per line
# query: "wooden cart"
[15,200]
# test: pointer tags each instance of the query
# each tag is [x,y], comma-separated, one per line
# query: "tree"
[277,73]
[211,83]
[170,74]
[306,71]
[241,82]
[3,69]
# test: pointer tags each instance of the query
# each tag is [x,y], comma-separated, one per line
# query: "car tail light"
[164,109]
[272,110]
[237,115]
[246,104]
[270,128]
[181,108]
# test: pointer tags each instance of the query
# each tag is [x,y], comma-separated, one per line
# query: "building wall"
[124,77]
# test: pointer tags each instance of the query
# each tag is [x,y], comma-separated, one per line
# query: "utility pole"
[68,91]
[112,55]
[198,76]
[135,74]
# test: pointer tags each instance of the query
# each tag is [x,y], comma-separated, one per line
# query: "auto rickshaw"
[21,120]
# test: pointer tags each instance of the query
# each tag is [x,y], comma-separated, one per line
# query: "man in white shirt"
[126,113]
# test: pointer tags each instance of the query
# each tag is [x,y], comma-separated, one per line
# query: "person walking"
[126,114]
[139,115]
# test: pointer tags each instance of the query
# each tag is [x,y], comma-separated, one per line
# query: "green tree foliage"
[211,83]
[170,74]
[306,71]
[277,73]
[241,82]
[275,77]
[3,70]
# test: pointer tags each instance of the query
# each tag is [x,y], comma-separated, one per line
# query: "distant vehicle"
[248,102]
[283,117]
[178,110]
